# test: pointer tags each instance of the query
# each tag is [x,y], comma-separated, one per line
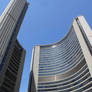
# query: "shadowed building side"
[12,70]
[32,86]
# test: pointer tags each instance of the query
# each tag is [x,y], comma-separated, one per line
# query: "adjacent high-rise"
[65,66]
[12,54]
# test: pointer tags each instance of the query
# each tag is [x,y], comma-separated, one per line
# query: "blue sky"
[47,21]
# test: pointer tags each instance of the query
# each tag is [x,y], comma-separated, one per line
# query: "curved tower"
[12,54]
[65,66]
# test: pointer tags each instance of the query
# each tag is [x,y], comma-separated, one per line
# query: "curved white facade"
[66,65]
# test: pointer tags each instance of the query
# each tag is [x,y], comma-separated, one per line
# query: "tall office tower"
[65,66]
[12,54]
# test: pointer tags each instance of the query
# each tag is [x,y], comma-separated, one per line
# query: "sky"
[46,22]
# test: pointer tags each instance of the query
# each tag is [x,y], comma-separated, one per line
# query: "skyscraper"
[65,66]
[12,54]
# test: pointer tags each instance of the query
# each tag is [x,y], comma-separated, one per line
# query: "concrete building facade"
[12,54]
[65,66]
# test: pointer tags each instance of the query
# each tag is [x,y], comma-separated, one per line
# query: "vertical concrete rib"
[83,44]
[86,28]
[36,64]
